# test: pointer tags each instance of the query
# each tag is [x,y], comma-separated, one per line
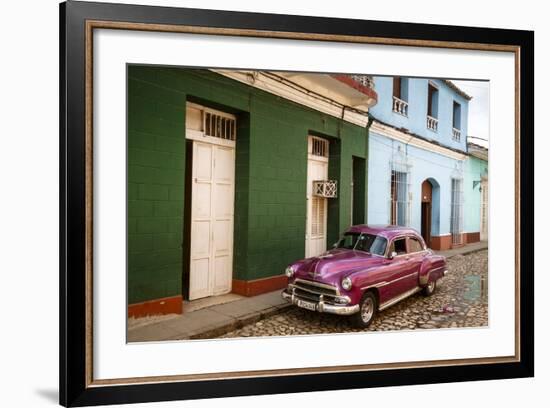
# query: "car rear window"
[399,246]
[415,245]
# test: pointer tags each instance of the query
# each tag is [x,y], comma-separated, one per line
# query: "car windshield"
[370,243]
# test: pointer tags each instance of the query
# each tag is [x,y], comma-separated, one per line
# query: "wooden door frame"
[426,219]
[320,159]
[192,137]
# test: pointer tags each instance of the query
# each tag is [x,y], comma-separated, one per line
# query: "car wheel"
[367,310]
[429,289]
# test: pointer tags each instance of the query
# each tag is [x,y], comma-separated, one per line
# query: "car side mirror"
[335,245]
[392,255]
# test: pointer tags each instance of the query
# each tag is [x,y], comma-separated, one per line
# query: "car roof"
[386,231]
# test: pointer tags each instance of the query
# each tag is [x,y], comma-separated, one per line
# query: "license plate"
[307,305]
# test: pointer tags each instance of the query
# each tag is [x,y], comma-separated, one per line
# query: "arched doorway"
[426,218]
[429,220]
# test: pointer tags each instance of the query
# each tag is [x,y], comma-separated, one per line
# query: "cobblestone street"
[460,301]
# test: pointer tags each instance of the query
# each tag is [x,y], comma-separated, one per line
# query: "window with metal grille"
[319,147]
[400,198]
[318,205]
[456,210]
[325,188]
[219,125]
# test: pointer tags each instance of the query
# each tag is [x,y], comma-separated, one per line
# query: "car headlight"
[346,283]
[289,271]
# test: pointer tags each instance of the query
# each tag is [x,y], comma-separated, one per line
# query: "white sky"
[478,116]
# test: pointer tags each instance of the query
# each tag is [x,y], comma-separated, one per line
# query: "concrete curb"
[236,324]
[468,252]
[212,321]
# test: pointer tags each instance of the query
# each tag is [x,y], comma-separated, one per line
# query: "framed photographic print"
[255,203]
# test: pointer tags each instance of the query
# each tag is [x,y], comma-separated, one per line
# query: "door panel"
[224,188]
[403,271]
[223,194]
[426,222]
[225,162]
[212,211]
[222,275]
[201,223]
[203,200]
[400,279]
[202,161]
[199,278]
[415,258]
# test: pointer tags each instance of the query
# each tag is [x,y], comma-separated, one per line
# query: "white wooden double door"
[212,215]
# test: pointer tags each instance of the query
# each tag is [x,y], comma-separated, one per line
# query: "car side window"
[399,246]
[415,245]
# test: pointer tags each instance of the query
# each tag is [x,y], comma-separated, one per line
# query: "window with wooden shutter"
[318,205]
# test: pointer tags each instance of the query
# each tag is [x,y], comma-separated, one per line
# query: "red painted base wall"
[175,304]
[444,242]
[259,286]
[441,243]
[156,307]
[471,237]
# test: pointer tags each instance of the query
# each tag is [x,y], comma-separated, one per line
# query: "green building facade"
[270,179]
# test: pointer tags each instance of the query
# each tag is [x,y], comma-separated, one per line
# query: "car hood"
[334,265]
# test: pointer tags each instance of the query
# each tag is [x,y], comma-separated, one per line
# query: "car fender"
[431,269]
[425,271]
[363,280]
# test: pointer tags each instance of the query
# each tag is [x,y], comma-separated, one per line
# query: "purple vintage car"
[369,269]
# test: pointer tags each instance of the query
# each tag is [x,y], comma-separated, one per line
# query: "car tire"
[367,310]
[429,289]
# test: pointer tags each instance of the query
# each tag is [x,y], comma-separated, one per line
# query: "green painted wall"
[474,169]
[271,166]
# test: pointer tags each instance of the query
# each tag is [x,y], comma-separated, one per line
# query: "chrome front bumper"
[321,306]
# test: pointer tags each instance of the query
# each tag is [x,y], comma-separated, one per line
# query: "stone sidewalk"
[215,321]
[211,321]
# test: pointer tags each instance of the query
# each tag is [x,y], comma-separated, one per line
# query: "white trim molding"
[392,133]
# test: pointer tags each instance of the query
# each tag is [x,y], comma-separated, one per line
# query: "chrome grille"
[310,290]
[302,294]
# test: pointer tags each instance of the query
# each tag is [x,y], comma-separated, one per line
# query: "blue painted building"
[417,155]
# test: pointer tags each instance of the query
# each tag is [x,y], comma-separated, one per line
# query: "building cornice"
[313,100]
[480,152]
[414,140]
[455,88]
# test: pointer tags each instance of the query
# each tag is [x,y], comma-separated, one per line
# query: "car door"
[402,270]
[416,254]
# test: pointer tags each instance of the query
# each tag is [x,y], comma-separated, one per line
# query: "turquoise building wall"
[475,169]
